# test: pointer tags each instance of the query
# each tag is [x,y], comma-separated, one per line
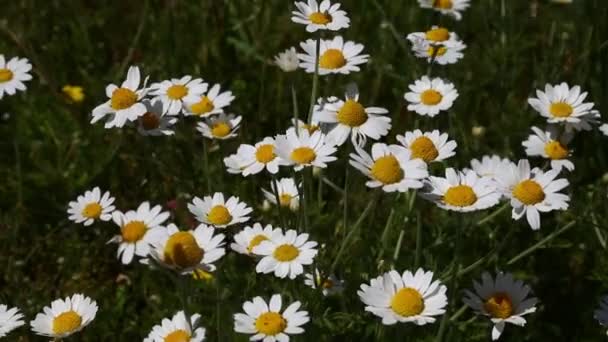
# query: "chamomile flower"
[138,228]
[429,146]
[10,319]
[220,127]
[177,329]
[311,127]
[12,75]
[175,93]
[218,212]
[65,317]
[250,237]
[91,206]
[503,300]
[329,285]
[125,102]
[405,297]
[533,191]
[462,191]
[287,60]
[323,16]
[452,8]
[601,314]
[550,145]
[154,123]
[266,321]
[436,35]
[390,167]
[429,97]
[564,105]
[335,56]
[288,193]
[449,52]
[489,166]
[284,255]
[305,149]
[187,251]
[213,102]
[604,129]
[250,160]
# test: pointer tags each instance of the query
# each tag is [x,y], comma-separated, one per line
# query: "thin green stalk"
[539,244]
[206,166]
[218,320]
[182,283]
[296,113]
[315,81]
[398,246]
[493,215]
[418,254]
[304,200]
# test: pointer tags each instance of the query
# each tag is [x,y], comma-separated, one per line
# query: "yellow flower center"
[310,128]
[177,92]
[202,275]
[303,155]
[219,215]
[150,121]
[556,150]
[407,302]
[75,93]
[5,75]
[438,34]
[133,231]
[529,192]
[122,98]
[221,129]
[560,109]
[387,170]
[204,106]
[182,250]
[443,4]
[424,148]
[332,59]
[352,114]
[270,323]
[178,336]
[256,241]
[66,322]
[499,306]
[431,97]
[460,196]
[286,253]
[320,18]
[265,153]
[436,51]
[285,200]
[92,210]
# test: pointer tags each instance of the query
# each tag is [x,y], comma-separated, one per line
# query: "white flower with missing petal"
[436,35]
[250,160]
[285,255]
[220,127]
[304,149]
[10,319]
[177,92]
[489,166]
[177,329]
[429,97]
[218,212]
[448,52]
[550,145]
[429,146]
[12,75]
[154,123]
[213,102]
[65,317]
[329,285]
[91,206]
[335,56]
[288,60]
[250,237]
[287,191]
[452,8]
[323,16]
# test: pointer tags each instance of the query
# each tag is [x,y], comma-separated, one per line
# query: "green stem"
[182,283]
[315,81]
[296,113]
[304,200]
[493,215]
[418,254]
[540,243]
[206,166]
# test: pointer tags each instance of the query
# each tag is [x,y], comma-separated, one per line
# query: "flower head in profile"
[303,149]
[287,191]
[251,236]
[91,206]
[250,160]
[177,329]
[452,8]
[286,254]
[287,60]
[153,122]
[218,212]
[448,52]
[10,319]
[335,56]
[220,127]
[429,146]
[74,94]
[176,92]
[12,75]
[550,145]
[65,317]
[323,16]
[212,102]
[430,96]
[330,285]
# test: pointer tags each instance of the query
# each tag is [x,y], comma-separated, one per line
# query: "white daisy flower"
[462,191]
[436,35]
[453,8]
[390,167]
[533,191]
[65,317]
[549,145]
[250,237]
[604,129]
[219,213]
[288,193]
[329,286]
[503,300]
[154,123]
[138,228]
[489,166]
[429,146]
[284,255]
[562,104]
[304,149]
[429,97]
[266,321]
[250,160]
[324,16]
[175,93]
[91,206]
[220,127]
[10,319]
[449,52]
[12,75]
[601,314]
[125,102]
[187,251]
[311,128]
[213,102]
[177,329]
[288,60]
[335,56]
[405,298]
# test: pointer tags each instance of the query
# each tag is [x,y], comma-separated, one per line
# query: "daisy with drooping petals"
[462,191]
[125,102]
[390,167]
[429,97]
[250,160]
[288,193]
[213,102]
[601,314]
[324,16]
[175,93]
[564,105]
[10,319]
[503,300]
[533,191]
[287,60]
[154,123]
[284,255]
[452,8]
[250,237]
[91,206]
[65,317]
[405,298]
[177,329]
[489,166]
[12,75]
[429,146]
[266,321]
[220,127]
[436,35]
[549,145]
[305,149]
[329,285]
[335,56]
[448,52]
[218,212]
[138,228]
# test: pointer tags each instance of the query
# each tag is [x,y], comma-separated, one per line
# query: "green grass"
[50,154]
